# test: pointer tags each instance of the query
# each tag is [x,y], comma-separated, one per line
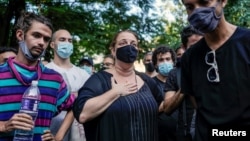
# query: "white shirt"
[75,77]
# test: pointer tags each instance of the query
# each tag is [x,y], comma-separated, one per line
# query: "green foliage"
[238,12]
[94,22]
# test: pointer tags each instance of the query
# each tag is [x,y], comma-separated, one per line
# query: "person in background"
[176,100]
[5,53]
[120,99]
[163,59]
[108,62]
[221,90]
[189,36]
[149,66]
[179,52]
[33,33]
[75,77]
[87,64]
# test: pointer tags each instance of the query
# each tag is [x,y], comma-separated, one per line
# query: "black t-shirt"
[225,102]
[172,85]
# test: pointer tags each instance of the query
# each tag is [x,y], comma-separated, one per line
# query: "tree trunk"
[13,9]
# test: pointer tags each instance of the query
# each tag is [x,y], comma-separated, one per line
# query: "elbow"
[83,118]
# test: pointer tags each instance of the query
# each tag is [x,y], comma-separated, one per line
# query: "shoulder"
[145,78]
[80,71]
[50,65]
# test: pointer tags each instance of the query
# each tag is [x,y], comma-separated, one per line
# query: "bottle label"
[30,105]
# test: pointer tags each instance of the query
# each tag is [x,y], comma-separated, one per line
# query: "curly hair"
[162,49]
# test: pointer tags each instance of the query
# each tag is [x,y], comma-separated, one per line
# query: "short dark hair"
[187,32]
[26,19]
[7,49]
[163,49]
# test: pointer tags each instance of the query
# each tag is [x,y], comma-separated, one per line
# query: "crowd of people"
[182,95]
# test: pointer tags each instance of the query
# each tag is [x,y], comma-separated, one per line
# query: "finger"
[47,136]
[113,81]
[24,115]
[20,121]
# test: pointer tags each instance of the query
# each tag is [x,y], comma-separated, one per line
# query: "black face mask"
[150,67]
[127,54]
[178,62]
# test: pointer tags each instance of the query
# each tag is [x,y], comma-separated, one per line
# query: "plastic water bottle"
[30,103]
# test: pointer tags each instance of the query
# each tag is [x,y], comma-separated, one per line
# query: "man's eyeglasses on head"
[212,72]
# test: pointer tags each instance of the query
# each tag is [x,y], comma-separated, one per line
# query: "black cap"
[87,59]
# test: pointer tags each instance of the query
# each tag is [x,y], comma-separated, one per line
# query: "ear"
[52,44]
[224,3]
[19,35]
[113,51]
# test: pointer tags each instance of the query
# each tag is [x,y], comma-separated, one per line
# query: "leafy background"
[94,22]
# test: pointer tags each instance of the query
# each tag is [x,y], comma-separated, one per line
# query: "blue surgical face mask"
[164,68]
[26,52]
[64,49]
[127,54]
[87,69]
[205,19]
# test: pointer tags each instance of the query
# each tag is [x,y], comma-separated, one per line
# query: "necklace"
[125,80]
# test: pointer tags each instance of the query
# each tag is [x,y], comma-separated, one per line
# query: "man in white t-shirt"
[75,77]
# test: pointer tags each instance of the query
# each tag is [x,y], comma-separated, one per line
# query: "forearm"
[172,100]
[97,105]
[65,126]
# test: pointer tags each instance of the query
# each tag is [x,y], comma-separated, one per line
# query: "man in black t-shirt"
[215,71]
[176,100]
[163,60]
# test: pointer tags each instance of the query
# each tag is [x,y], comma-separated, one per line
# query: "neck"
[123,71]
[20,58]
[218,37]
[64,63]
[161,77]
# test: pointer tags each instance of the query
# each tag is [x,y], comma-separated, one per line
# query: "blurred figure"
[179,51]
[149,66]
[189,36]
[87,64]
[108,62]
[6,52]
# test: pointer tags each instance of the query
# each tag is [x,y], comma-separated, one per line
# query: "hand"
[48,136]
[19,121]
[124,89]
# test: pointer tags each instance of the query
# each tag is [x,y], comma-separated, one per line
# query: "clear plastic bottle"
[29,105]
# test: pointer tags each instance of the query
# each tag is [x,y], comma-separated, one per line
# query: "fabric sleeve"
[155,89]
[171,83]
[65,100]
[186,81]
[94,86]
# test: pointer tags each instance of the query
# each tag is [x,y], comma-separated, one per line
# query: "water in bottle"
[30,103]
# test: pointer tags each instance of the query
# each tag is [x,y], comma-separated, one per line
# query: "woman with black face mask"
[120,104]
